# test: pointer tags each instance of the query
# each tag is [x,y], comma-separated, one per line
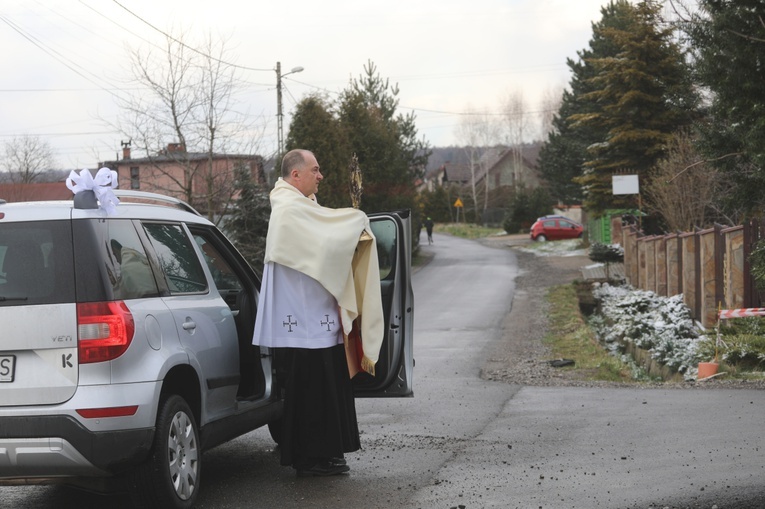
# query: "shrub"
[525,207]
[661,325]
[606,253]
[742,345]
[757,261]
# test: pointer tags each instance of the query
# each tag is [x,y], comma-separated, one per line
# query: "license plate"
[7,367]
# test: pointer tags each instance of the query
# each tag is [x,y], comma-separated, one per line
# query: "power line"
[62,134]
[107,18]
[472,74]
[476,113]
[104,89]
[62,59]
[185,45]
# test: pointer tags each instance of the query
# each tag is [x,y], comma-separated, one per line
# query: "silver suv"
[126,352]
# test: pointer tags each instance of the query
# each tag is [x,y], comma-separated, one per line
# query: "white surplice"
[301,314]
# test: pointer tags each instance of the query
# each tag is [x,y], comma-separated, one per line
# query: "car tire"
[170,476]
[541,238]
[275,429]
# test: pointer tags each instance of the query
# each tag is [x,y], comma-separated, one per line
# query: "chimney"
[175,147]
[126,149]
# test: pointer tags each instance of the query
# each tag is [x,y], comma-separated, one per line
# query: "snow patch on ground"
[556,248]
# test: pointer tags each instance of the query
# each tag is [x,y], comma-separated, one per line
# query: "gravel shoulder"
[522,358]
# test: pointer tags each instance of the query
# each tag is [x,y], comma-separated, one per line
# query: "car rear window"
[36,264]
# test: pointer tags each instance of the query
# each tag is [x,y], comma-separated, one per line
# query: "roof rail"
[156,197]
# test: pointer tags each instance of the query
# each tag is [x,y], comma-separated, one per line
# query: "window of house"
[134,178]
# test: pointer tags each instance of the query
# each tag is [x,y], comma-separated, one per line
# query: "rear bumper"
[33,447]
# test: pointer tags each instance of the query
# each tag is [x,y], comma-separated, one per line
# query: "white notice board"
[625,184]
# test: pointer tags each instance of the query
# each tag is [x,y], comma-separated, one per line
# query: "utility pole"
[279,114]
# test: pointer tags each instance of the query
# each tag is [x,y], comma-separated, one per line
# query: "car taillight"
[104,330]
[98,413]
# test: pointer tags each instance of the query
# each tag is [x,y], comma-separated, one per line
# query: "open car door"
[393,372]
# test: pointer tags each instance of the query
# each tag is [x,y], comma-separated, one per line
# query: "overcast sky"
[64,59]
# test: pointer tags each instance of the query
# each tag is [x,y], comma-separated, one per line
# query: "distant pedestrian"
[429,229]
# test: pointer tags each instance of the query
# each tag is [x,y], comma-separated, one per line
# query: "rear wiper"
[3,299]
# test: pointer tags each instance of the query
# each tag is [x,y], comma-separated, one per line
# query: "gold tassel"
[355,186]
[367,365]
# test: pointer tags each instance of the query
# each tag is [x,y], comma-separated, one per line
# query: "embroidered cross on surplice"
[327,322]
[289,323]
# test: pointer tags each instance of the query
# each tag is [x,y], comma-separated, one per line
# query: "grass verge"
[467,231]
[569,337]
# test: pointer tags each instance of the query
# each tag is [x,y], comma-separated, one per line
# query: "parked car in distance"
[555,228]
[126,345]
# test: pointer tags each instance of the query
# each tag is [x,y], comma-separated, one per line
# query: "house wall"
[501,174]
[168,177]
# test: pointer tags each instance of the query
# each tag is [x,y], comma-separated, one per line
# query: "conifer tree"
[385,142]
[728,41]
[315,127]
[247,225]
[363,120]
[562,158]
[645,94]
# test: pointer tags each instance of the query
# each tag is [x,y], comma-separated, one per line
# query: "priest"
[320,292]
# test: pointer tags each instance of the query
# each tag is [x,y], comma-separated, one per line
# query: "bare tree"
[476,131]
[515,112]
[682,188]
[26,158]
[549,105]
[189,119]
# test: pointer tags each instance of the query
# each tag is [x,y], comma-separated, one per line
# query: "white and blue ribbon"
[102,185]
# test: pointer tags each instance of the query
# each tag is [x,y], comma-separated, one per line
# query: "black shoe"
[337,461]
[322,469]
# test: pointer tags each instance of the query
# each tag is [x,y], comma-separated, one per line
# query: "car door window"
[180,265]
[385,233]
[395,363]
[127,265]
[223,275]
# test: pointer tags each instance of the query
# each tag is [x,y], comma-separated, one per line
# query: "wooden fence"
[710,268]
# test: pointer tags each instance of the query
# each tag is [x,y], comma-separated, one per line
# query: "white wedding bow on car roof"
[102,185]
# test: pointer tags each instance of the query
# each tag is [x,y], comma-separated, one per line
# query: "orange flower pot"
[707,369]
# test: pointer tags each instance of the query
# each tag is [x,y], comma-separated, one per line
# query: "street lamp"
[279,114]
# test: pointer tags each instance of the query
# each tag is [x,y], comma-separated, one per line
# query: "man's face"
[308,177]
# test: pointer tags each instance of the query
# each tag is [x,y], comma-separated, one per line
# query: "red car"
[555,228]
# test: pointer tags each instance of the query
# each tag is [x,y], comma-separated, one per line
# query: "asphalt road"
[463,441]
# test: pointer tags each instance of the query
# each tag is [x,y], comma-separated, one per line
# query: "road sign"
[458,203]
